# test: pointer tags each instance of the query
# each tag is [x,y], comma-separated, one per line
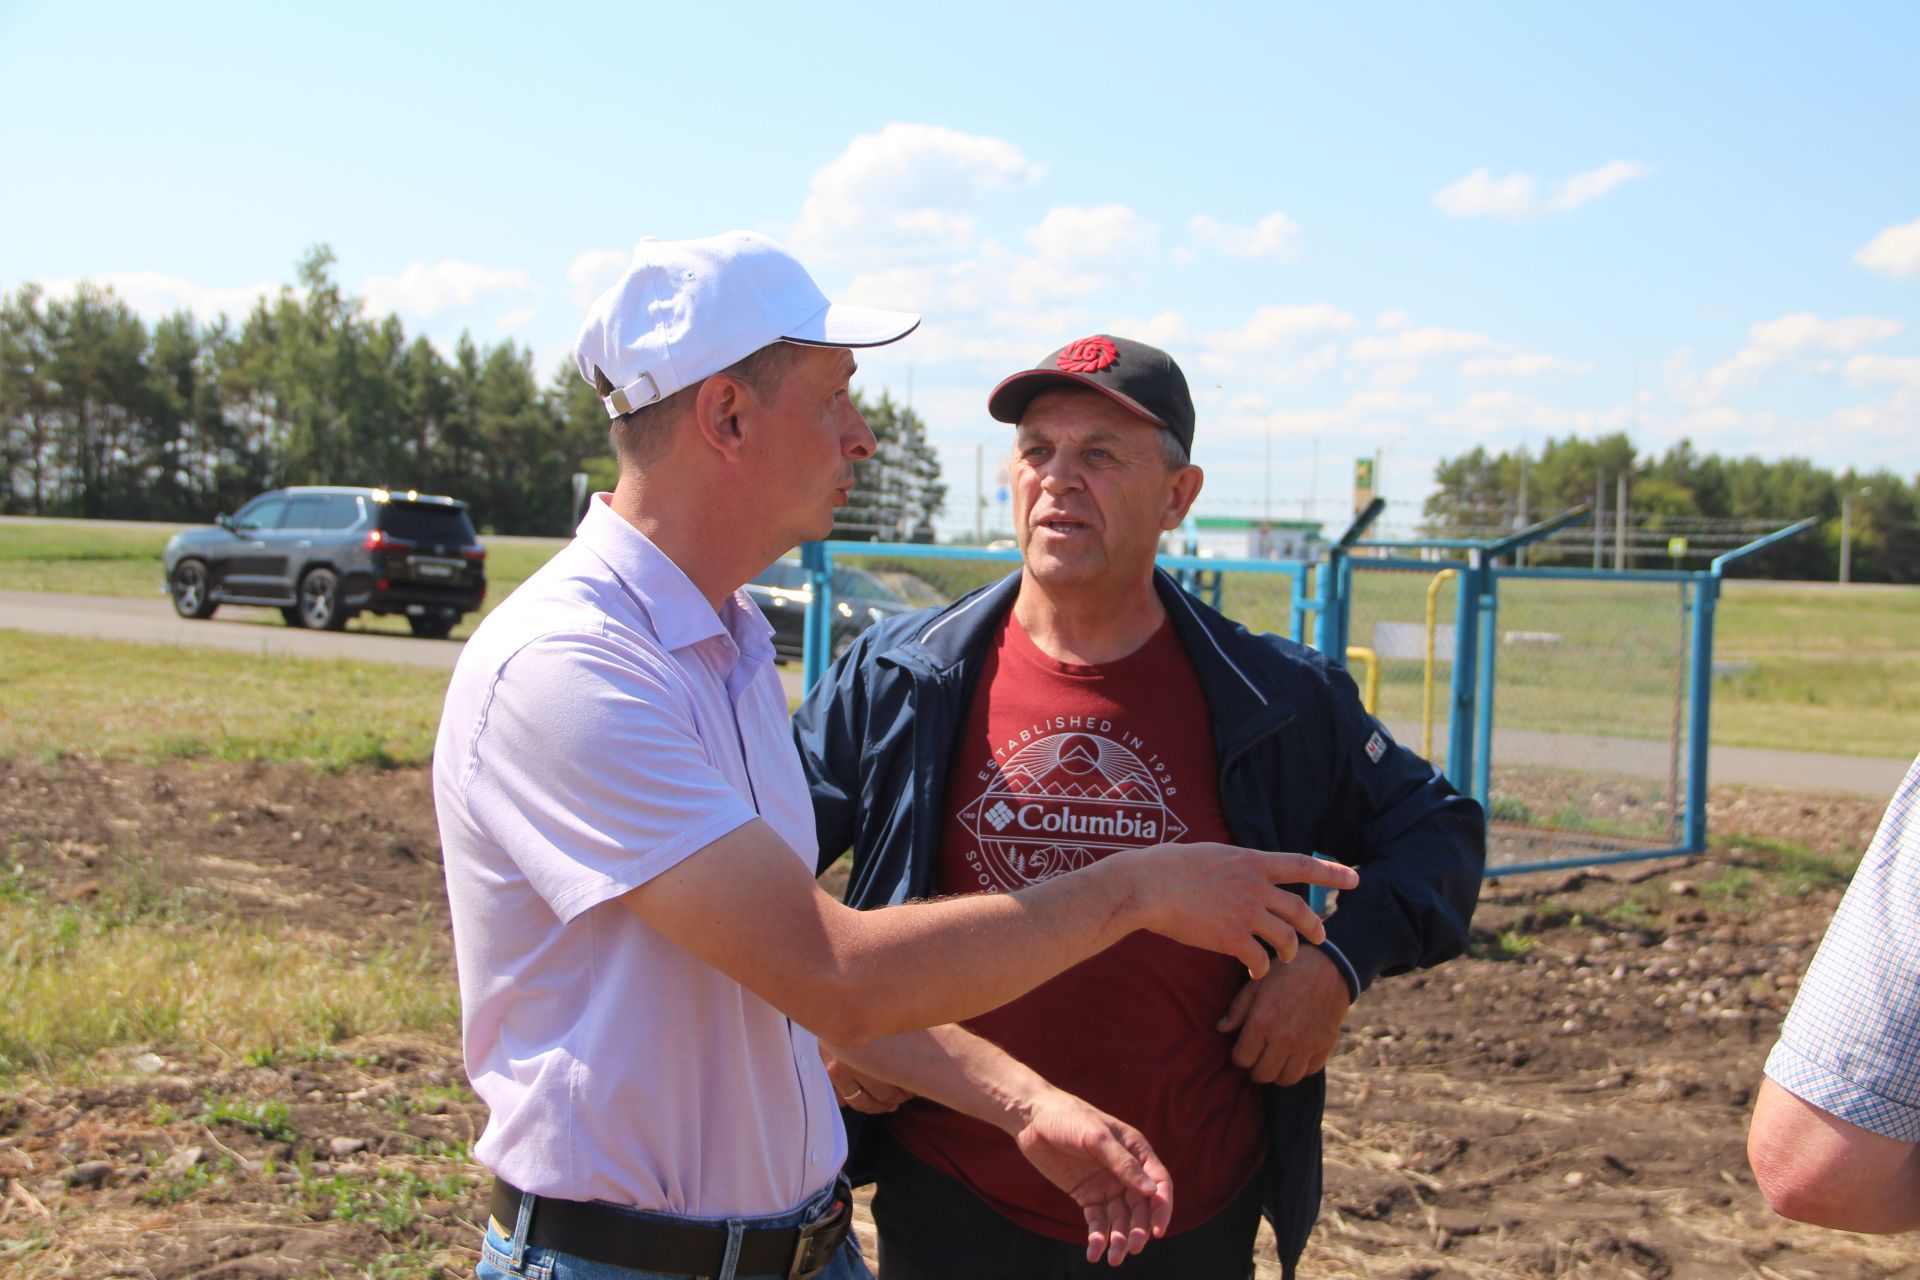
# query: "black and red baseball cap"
[1141,379]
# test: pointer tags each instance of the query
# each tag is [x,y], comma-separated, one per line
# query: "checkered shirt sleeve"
[1851,1043]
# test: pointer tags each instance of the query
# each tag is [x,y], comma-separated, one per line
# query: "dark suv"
[324,554]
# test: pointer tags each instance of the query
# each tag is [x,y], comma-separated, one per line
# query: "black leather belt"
[601,1233]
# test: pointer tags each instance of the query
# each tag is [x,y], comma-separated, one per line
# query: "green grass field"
[1803,665]
[60,694]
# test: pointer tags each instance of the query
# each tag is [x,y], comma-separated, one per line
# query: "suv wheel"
[192,597]
[320,606]
[433,626]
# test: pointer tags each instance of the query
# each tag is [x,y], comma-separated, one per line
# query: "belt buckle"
[827,1231]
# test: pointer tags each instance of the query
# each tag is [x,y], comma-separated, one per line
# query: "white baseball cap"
[686,309]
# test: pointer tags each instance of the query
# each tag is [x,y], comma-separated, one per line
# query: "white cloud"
[1003,276]
[154,296]
[1521,364]
[1282,327]
[1870,370]
[1486,414]
[1594,183]
[985,352]
[1796,343]
[1480,194]
[1894,252]
[905,194]
[1098,236]
[422,291]
[1400,350]
[1055,326]
[1276,236]
[517,320]
[1301,370]
[933,290]
[1386,401]
[1865,436]
[1167,330]
[1805,332]
[1079,253]
[1411,346]
[593,273]
[1517,197]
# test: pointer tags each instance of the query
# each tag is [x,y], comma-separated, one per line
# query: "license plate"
[433,568]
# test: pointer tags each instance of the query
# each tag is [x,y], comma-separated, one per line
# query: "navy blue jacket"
[1302,767]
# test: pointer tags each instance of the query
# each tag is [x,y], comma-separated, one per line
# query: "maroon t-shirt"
[1061,765]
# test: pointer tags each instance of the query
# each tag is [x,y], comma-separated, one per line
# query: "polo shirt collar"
[680,616]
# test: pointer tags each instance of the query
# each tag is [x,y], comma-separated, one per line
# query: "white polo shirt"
[603,724]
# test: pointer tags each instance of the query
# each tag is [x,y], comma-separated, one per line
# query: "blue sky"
[1411,229]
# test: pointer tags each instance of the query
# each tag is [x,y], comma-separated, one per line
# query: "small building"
[1241,538]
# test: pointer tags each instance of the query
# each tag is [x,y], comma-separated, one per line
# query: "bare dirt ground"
[1570,1101]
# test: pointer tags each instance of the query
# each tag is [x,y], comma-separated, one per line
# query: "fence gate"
[1572,703]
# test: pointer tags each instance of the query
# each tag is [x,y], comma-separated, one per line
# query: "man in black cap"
[1087,705]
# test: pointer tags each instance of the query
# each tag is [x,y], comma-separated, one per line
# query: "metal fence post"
[1706,593]
[818,562]
[1326,624]
[1343,602]
[1483,677]
[1305,601]
[1466,629]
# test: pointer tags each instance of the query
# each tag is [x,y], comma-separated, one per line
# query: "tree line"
[105,417]
[1712,503]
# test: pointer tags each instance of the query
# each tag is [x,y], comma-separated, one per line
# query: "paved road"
[238,627]
[262,631]
[1647,758]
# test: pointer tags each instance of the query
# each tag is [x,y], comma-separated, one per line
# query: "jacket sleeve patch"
[1376,747]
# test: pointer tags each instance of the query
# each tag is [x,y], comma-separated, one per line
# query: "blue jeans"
[510,1257]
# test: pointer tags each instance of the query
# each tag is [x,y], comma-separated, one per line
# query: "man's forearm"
[1104,1165]
[746,906]
[933,963]
[956,1068]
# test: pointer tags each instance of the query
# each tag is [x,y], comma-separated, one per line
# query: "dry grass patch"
[77,981]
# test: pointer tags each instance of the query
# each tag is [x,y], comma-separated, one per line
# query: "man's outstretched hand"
[1106,1166]
[1229,899]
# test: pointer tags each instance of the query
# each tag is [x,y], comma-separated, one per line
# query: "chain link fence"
[1589,722]
[1570,717]
[1584,744]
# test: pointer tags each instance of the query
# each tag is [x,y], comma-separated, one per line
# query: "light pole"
[1846,532]
[1380,465]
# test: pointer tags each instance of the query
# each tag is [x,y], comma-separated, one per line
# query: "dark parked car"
[859,601]
[324,554]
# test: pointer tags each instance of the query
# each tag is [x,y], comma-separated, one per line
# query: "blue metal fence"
[1319,610]
[1313,605]
[1593,698]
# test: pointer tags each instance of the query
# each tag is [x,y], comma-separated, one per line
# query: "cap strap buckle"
[625,400]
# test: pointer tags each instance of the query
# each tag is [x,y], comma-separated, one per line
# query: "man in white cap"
[644,957]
